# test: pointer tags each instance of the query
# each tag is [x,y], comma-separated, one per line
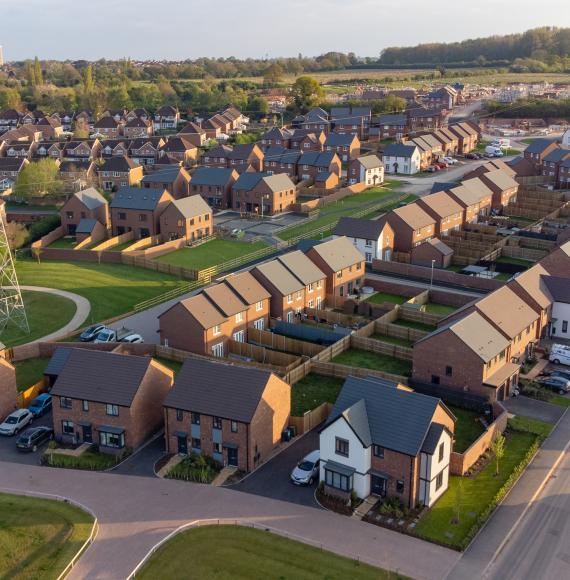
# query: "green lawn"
[30,371]
[39,537]
[467,428]
[560,400]
[210,254]
[171,364]
[416,325]
[121,247]
[381,297]
[112,289]
[311,391]
[475,495]
[331,213]
[433,308]
[239,553]
[371,360]
[529,425]
[393,340]
[514,261]
[46,313]
[67,243]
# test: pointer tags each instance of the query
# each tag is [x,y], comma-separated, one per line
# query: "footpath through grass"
[46,313]
[470,497]
[313,390]
[30,371]
[248,554]
[112,289]
[210,254]
[39,537]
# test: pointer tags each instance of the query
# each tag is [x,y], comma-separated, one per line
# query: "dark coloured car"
[561,374]
[33,438]
[91,333]
[558,384]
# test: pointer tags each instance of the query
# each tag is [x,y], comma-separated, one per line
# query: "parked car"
[558,384]
[15,422]
[91,333]
[133,339]
[40,405]
[110,335]
[307,470]
[442,164]
[434,167]
[562,374]
[450,160]
[32,438]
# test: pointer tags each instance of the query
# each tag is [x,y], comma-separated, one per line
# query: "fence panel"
[283,343]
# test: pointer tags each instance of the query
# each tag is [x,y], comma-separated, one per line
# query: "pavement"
[272,479]
[82,310]
[528,536]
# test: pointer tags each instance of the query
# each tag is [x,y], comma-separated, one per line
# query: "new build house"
[263,194]
[385,441]
[373,238]
[189,218]
[412,225]
[447,213]
[368,169]
[214,184]
[233,414]
[87,204]
[400,158]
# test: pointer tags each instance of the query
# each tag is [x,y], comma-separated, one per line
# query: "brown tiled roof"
[414,216]
[205,313]
[441,203]
[533,284]
[225,299]
[276,273]
[339,253]
[302,267]
[247,287]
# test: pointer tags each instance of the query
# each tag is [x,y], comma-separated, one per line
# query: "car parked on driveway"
[558,384]
[33,438]
[91,333]
[40,405]
[133,339]
[561,373]
[307,470]
[15,422]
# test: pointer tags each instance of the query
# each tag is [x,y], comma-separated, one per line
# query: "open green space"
[389,207]
[313,390]
[39,537]
[433,308]
[355,357]
[468,428]
[210,254]
[249,554]
[416,325]
[46,313]
[30,371]
[457,513]
[381,297]
[112,289]
[67,243]
[332,212]
[393,340]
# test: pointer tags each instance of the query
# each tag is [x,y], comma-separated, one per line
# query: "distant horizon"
[117,29]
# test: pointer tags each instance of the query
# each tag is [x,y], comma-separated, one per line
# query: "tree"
[39,178]
[17,235]
[306,92]
[258,105]
[10,99]
[38,72]
[118,98]
[498,448]
[273,74]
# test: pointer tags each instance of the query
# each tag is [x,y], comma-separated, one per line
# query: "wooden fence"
[25,398]
[374,345]
[311,418]
[342,371]
[281,362]
[283,343]
[334,317]
[114,241]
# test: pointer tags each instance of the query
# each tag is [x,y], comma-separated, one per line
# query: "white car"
[133,339]
[450,160]
[307,470]
[15,422]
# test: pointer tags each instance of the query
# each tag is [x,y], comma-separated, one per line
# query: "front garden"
[90,460]
[196,468]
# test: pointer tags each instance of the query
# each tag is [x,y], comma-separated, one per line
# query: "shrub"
[42,227]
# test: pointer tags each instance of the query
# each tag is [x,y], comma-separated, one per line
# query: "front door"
[87,434]
[378,485]
[232,457]
[182,445]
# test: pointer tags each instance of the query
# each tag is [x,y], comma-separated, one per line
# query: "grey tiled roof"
[399,150]
[359,228]
[211,176]
[137,198]
[85,226]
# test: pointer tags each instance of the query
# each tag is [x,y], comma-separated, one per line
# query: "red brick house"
[447,212]
[538,150]
[412,226]
[82,149]
[194,134]
[503,186]
[108,127]
[234,414]
[311,163]
[111,400]
[180,148]
[189,218]
[214,184]
[345,145]
[176,180]
[263,194]
[138,209]
[87,204]
[117,172]
[166,117]
[137,127]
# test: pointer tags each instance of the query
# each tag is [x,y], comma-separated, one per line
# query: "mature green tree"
[273,74]
[39,178]
[306,92]
[38,72]
[10,99]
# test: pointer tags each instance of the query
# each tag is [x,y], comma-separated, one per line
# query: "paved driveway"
[9,453]
[272,479]
[534,409]
[142,463]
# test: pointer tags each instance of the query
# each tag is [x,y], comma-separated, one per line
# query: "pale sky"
[180,29]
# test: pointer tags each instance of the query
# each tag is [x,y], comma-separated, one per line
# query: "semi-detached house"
[412,226]
[373,238]
[385,441]
[448,213]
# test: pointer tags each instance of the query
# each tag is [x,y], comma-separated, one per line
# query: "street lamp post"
[431,277]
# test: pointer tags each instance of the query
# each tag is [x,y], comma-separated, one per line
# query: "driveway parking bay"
[9,453]
[527,407]
[272,479]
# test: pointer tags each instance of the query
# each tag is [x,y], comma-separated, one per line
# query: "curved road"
[82,310]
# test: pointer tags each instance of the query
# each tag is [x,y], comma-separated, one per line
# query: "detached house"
[214,184]
[138,210]
[345,145]
[245,156]
[263,194]
[167,117]
[189,218]
[176,180]
[386,441]
[82,149]
[180,148]
[108,126]
[412,225]
[194,134]
[112,400]
[399,158]
[368,169]
[87,204]
[234,414]
[117,172]
[373,238]
[342,263]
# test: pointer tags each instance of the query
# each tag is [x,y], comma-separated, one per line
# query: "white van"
[560,354]
[493,151]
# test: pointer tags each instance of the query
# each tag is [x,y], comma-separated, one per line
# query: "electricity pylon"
[12,309]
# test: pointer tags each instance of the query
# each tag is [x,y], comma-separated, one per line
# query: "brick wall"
[399,467]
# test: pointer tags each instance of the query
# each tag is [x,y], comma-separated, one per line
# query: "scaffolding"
[12,309]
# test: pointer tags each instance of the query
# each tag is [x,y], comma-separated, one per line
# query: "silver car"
[307,470]
[15,422]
